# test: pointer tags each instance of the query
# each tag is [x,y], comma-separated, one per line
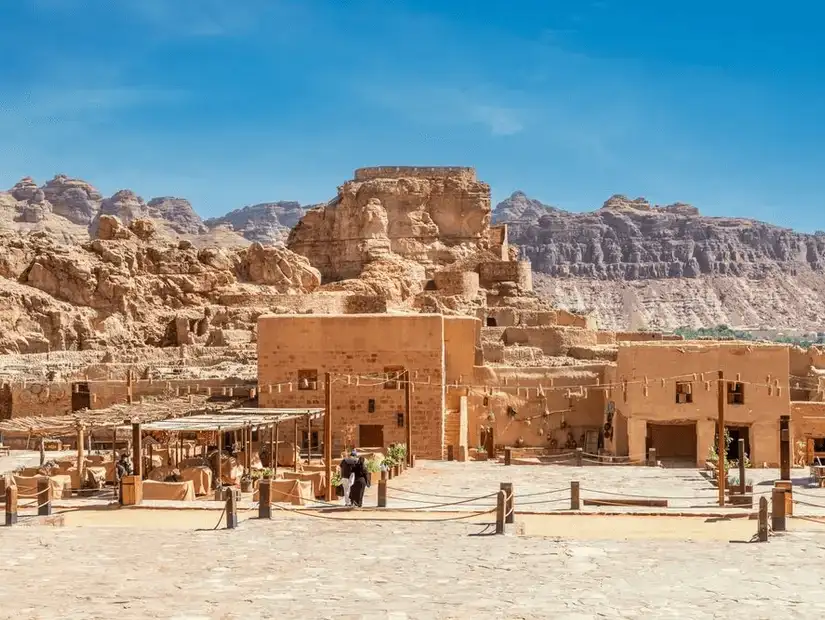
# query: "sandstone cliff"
[432,216]
[639,265]
[267,223]
[129,287]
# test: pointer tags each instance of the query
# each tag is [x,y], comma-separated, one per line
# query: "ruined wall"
[461,336]
[494,272]
[754,365]
[552,340]
[499,244]
[461,283]
[358,345]
[571,399]
[645,337]
[424,172]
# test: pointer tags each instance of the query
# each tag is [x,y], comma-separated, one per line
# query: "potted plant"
[246,484]
[336,483]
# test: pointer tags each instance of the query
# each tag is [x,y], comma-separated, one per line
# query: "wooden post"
[382,492]
[297,445]
[231,509]
[741,448]
[129,394]
[787,487]
[408,414]
[42,451]
[778,509]
[508,456]
[44,497]
[579,453]
[328,436]
[384,475]
[450,453]
[219,482]
[721,448]
[762,527]
[80,457]
[785,447]
[510,514]
[501,511]
[11,505]
[265,498]
[137,450]
[574,495]
[651,457]
[309,439]
[275,453]
[114,460]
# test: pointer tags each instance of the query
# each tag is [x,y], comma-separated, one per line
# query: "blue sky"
[232,102]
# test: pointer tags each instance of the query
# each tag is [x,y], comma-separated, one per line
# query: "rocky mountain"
[639,265]
[268,222]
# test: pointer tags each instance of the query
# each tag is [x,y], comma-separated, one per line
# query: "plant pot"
[395,471]
[339,490]
[246,485]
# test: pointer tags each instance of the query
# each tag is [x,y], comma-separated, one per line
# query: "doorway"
[81,396]
[736,433]
[371,436]
[675,444]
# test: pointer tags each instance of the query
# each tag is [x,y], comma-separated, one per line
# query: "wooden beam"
[721,448]
[297,445]
[328,435]
[650,503]
[309,440]
[137,450]
[408,414]
[220,457]
[80,456]
[275,454]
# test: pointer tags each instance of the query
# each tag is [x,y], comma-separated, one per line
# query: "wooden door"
[371,436]
[81,396]
[591,442]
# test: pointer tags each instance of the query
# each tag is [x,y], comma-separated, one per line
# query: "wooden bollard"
[395,471]
[265,498]
[787,486]
[44,497]
[762,528]
[450,453]
[412,461]
[579,452]
[231,509]
[574,495]
[382,493]
[778,509]
[501,511]
[508,456]
[510,514]
[742,484]
[11,505]
[651,457]
[384,475]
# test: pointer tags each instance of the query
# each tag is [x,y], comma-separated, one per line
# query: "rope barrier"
[466,501]
[320,516]
[801,503]
[540,493]
[615,494]
[427,494]
[546,501]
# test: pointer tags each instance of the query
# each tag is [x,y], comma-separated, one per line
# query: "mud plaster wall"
[807,422]
[424,172]
[754,363]
[520,272]
[359,345]
[104,394]
[517,388]
[553,341]
[40,399]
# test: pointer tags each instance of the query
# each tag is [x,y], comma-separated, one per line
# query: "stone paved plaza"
[685,489]
[302,567]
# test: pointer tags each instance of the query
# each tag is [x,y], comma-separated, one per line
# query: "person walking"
[348,465]
[361,477]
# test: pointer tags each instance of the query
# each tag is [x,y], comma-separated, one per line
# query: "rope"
[564,490]
[306,513]
[428,494]
[466,501]
[801,503]
[615,494]
[546,501]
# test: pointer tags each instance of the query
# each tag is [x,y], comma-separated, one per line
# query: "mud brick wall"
[494,272]
[358,345]
[426,172]
[40,399]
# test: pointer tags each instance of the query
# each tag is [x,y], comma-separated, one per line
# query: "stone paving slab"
[307,568]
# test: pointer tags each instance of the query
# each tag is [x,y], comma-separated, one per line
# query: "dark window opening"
[393,375]
[736,393]
[371,405]
[684,392]
[400,419]
[308,379]
[491,322]
[819,444]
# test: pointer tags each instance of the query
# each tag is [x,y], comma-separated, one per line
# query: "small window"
[371,405]
[491,322]
[393,374]
[684,392]
[819,444]
[308,379]
[736,393]
[400,419]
